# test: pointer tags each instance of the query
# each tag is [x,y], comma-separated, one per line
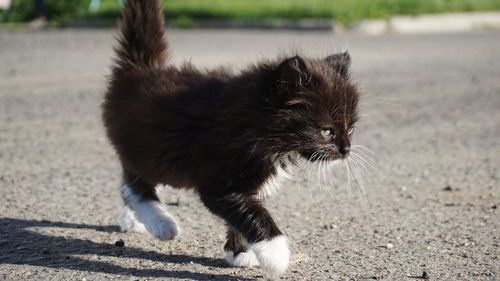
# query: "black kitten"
[227,136]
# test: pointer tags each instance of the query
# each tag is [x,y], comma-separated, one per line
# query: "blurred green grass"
[345,11]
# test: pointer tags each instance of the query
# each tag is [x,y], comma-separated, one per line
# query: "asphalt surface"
[431,113]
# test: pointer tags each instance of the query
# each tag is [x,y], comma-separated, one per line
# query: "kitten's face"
[320,109]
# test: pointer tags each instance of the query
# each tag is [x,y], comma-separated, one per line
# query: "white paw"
[151,214]
[128,222]
[158,221]
[243,259]
[163,228]
[273,255]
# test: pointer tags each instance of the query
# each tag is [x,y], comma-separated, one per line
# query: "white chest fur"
[283,165]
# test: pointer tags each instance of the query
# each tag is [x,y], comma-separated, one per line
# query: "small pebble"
[389,246]
[120,243]
[448,188]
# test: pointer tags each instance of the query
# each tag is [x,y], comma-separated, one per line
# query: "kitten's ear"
[340,62]
[292,71]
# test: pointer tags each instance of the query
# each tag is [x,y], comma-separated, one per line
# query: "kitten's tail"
[141,44]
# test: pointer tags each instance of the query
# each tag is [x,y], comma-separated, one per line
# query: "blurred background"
[428,201]
[187,13]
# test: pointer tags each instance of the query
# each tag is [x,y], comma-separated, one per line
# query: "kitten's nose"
[345,150]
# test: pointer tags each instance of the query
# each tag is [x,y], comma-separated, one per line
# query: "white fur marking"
[274,183]
[153,215]
[128,222]
[273,255]
[243,259]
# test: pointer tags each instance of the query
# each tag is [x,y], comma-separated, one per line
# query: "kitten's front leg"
[237,251]
[250,218]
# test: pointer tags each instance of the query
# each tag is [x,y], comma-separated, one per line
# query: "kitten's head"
[317,106]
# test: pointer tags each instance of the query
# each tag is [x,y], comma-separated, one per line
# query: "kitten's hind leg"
[237,251]
[146,210]
[128,221]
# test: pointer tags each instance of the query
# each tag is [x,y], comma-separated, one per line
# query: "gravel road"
[431,113]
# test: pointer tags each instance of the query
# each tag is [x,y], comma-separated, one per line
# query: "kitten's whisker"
[320,164]
[326,175]
[361,173]
[348,173]
[308,168]
[314,169]
[366,153]
[327,181]
[370,168]
[389,103]
[307,171]
[319,169]
[307,162]
[331,172]
[353,173]
[364,148]
[362,181]
[314,155]
[323,172]
[357,176]
[361,146]
[332,177]
[370,162]
[368,157]
[357,172]
[363,168]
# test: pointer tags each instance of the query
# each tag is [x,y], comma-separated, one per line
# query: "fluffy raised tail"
[141,44]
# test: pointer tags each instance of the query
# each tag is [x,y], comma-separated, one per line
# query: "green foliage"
[184,12]
[57,10]
[346,11]
[184,22]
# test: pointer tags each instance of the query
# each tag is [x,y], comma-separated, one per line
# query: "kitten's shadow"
[20,245]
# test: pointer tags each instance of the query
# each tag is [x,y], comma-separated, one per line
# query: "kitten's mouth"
[314,156]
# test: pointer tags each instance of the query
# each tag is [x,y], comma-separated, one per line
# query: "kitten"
[227,136]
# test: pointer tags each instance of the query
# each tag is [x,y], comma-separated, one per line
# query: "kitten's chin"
[314,156]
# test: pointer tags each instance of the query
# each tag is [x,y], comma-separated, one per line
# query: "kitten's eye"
[350,131]
[327,133]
